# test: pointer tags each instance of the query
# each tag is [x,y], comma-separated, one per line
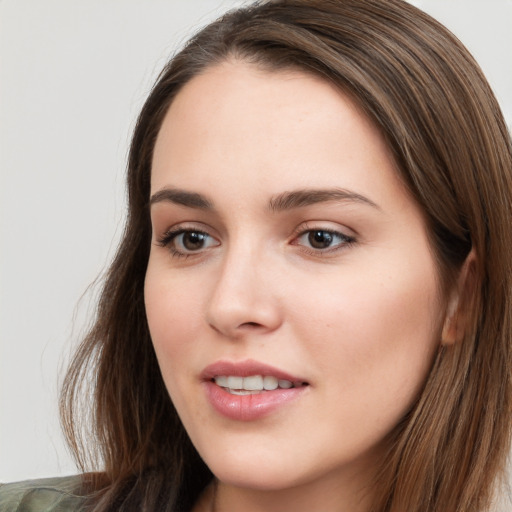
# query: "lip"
[248,407]
[245,369]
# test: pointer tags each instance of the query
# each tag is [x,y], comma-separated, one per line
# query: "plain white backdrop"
[73,76]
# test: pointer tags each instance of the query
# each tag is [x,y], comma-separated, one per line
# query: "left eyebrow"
[307,197]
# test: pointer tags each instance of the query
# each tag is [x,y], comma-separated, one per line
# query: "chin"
[254,470]
[257,478]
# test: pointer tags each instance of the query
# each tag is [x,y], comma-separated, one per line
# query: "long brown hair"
[430,100]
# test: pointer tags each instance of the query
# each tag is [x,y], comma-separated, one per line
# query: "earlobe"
[455,322]
[451,329]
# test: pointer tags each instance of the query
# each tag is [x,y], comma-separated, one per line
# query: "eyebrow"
[281,202]
[307,197]
[181,197]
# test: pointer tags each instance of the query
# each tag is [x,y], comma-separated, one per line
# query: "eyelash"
[167,239]
[303,230]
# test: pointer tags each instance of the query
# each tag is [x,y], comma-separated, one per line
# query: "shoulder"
[45,495]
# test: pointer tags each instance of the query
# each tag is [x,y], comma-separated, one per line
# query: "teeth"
[270,383]
[235,382]
[250,385]
[242,392]
[221,381]
[253,383]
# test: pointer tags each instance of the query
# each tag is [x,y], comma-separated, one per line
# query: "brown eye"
[323,240]
[320,239]
[185,242]
[193,240]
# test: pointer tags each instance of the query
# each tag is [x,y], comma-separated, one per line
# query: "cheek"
[374,334]
[174,324]
[173,321]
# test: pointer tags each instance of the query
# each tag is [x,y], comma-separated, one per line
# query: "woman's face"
[286,252]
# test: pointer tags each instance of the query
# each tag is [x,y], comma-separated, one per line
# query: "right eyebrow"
[181,197]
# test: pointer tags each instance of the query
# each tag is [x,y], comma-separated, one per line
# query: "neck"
[325,495]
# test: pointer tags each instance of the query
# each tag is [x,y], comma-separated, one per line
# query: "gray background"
[73,76]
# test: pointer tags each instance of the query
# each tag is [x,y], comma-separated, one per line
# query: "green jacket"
[45,495]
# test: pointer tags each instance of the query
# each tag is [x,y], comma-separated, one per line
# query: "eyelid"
[307,227]
[183,226]
[167,238]
[325,225]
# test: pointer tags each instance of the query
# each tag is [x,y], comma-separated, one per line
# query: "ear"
[455,322]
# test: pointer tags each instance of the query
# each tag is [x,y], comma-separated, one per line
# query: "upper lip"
[246,369]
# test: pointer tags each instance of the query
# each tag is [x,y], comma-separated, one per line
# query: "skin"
[360,320]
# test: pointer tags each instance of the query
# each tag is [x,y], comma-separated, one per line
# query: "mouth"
[249,390]
[253,384]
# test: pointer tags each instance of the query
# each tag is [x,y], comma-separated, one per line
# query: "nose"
[243,299]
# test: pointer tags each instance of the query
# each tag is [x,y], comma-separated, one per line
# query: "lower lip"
[249,407]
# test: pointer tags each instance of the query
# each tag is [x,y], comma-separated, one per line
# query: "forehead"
[285,129]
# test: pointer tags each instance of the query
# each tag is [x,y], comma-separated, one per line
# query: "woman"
[310,307]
